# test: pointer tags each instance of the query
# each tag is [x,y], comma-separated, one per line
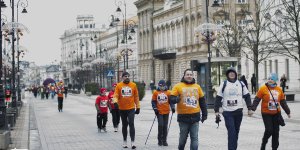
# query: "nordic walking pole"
[150,129]
[170,124]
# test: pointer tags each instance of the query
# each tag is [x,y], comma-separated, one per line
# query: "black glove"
[137,111]
[156,112]
[203,118]
[110,111]
[173,110]
[218,119]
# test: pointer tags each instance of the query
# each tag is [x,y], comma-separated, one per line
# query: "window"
[276,66]
[287,70]
[241,1]
[242,22]
[265,68]
[270,62]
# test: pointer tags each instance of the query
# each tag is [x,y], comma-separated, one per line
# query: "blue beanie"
[273,76]
[161,83]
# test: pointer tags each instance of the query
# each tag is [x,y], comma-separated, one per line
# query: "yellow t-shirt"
[267,104]
[189,97]
[127,96]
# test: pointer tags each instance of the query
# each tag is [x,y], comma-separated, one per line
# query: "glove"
[203,118]
[250,113]
[218,118]
[110,111]
[156,112]
[173,110]
[137,111]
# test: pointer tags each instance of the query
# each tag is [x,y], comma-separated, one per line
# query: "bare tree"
[286,28]
[246,34]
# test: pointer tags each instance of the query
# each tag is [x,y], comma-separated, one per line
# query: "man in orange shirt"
[127,97]
[272,98]
[161,106]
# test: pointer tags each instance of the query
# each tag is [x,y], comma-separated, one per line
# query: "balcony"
[164,54]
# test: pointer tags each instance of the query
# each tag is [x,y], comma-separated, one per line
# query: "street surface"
[75,128]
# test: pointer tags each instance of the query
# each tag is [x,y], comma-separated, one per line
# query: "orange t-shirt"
[268,105]
[127,96]
[60,92]
[162,99]
[189,97]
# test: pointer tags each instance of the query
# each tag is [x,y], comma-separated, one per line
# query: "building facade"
[77,46]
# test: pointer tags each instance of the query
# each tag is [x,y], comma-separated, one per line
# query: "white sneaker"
[104,129]
[116,129]
[124,144]
[133,145]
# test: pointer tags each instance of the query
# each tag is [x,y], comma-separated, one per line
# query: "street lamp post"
[208,31]
[24,4]
[127,25]
[3,123]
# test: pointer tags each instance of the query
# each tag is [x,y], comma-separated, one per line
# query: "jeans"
[115,117]
[162,127]
[233,122]
[271,129]
[127,117]
[60,103]
[101,120]
[185,130]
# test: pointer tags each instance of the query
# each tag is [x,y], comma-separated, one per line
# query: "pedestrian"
[230,97]
[161,106]
[101,105]
[253,84]
[190,100]
[168,84]
[152,85]
[114,108]
[60,95]
[127,97]
[243,79]
[272,98]
[66,92]
[144,84]
[283,82]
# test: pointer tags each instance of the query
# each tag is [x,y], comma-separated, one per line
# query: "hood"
[231,70]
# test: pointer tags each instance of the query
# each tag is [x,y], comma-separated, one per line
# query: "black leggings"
[127,117]
[271,129]
[115,117]
[101,120]
[60,103]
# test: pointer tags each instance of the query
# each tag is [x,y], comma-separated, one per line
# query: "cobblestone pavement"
[75,128]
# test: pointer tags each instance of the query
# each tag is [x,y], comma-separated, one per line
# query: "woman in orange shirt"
[272,98]
[161,106]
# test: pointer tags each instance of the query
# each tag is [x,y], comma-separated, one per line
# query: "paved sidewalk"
[75,128]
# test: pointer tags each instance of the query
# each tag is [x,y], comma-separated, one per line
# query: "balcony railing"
[164,53]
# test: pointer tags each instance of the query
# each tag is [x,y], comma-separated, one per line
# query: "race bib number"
[272,105]
[103,104]
[126,91]
[162,98]
[231,103]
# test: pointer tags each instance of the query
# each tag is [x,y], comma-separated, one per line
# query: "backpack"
[225,83]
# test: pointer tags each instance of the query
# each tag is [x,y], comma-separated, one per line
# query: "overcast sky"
[48,19]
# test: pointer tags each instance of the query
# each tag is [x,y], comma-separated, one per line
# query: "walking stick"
[150,129]
[170,124]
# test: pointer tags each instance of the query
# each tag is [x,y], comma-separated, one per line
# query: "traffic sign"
[110,73]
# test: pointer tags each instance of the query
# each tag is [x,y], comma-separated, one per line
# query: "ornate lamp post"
[208,32]
[3,123]
[23,4]
[128,29]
